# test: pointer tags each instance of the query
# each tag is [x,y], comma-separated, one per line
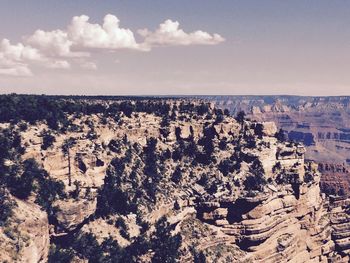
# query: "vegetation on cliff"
[147,180]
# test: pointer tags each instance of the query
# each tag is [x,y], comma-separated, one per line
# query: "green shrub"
[254,182]
[48,140]
[6,206]
[177,175]
[60,255]
[164,244]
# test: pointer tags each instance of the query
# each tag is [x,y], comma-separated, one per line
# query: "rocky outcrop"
[320,123]
[233,190]
[72,213]
[340,220]
[335,179]
[276,226]
[25,238]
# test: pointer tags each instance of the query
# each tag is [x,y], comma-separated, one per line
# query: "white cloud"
[80,35]
[89,65]
[59,64]
[108,36]
[14,58]
[54,43]
[18,52]
[169,34]
[57,48]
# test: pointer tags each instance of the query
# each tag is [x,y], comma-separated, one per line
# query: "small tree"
[164,126]
[223,144]
[177,175]
[280,136]
[199,257]
[151,168]
[48,140]
[240,117]
[258,130]
[23,185]
[87,247]
[226,166]
[256,180]
[6,206]
[165,245]
[60,255]
[67,145]
[75,193]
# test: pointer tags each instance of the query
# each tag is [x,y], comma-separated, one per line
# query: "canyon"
[322,124]
[167,180]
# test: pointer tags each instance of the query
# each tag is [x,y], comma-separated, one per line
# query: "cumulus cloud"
[169,34]
[18,52]
[81,35]
[14,58]
[57,48]
[54,43]
[108,36]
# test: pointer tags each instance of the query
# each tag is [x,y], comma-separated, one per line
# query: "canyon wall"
[322,124]
[229,190]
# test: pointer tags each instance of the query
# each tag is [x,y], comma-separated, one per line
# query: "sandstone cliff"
[191,184]
[321,123]
[26,237]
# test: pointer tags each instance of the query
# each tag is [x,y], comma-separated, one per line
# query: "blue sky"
[269,47]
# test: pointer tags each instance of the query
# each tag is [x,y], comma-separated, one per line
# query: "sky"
[182,47]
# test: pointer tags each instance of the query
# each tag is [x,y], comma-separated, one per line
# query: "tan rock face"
[219,213]
[340,222]
[269,128]
[335,178]
[278,216]
[74,212]
[322,124]
[282,228]
[26,237]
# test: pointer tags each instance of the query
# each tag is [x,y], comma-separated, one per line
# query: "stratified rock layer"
[238,195]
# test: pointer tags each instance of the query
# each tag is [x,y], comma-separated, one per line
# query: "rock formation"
[186,183]
[320,123]
[26,238]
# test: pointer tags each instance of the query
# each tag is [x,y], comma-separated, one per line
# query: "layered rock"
[276,226]
[231,189]
[335,179]
[321,123]
[340,222]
